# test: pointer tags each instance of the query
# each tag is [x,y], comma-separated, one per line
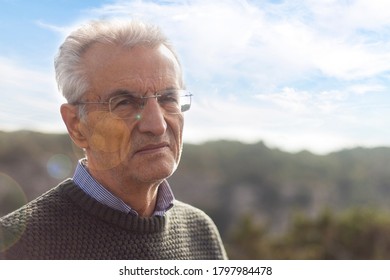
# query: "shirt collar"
[90,186]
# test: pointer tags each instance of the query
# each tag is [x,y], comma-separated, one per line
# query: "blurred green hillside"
[267,203]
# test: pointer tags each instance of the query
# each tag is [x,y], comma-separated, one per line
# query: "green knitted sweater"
[65,223]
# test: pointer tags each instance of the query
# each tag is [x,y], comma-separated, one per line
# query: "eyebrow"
[119,92]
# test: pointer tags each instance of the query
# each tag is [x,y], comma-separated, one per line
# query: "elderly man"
[126,98]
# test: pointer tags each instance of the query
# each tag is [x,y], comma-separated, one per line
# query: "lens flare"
[59,166]
[12,195]
[11,198]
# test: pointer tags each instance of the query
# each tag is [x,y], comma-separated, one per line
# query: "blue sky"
[307,74]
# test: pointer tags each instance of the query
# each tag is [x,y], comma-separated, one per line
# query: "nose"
[151,119]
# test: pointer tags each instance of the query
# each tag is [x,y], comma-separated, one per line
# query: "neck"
[140,196]
[142,200]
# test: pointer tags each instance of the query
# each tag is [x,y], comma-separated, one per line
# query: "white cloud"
[259,70]
[14,75]
[32,98]
[322,121]
[269,43]
[304,102]
[52,27]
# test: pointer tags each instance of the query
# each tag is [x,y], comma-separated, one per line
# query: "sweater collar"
[92,206]
[90,186]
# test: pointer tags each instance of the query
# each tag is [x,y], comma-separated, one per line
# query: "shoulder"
[52,199]
[198,226]
[186,208]
[42,210]
[192,216]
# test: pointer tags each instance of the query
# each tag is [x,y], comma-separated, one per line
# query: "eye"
[168,97]
[124,101]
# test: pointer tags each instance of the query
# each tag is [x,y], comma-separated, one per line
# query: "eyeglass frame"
[145,98]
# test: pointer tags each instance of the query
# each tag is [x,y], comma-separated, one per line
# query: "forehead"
[141,68]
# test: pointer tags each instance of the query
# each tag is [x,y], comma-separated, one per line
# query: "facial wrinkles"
[145,74]
[113,142]
[139,140]
[107,137]
[146,83]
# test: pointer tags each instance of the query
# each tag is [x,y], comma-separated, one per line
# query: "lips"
[152,148]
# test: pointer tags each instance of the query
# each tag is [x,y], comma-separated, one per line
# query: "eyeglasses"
[124,106]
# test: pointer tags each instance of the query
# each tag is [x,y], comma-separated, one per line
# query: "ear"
[72,121]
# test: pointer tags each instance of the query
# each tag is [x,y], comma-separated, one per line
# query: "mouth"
[152,148]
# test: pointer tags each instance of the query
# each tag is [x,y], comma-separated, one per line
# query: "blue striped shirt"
[90,186]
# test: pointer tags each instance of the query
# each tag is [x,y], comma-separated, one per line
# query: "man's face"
[145,149]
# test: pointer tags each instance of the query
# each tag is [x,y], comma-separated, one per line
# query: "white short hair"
[70,72]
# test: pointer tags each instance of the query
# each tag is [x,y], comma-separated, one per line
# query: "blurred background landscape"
[267,203]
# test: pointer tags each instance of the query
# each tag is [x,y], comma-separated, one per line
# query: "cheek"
[176,126]
[108,135]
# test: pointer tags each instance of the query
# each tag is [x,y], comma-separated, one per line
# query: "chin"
[158,173]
